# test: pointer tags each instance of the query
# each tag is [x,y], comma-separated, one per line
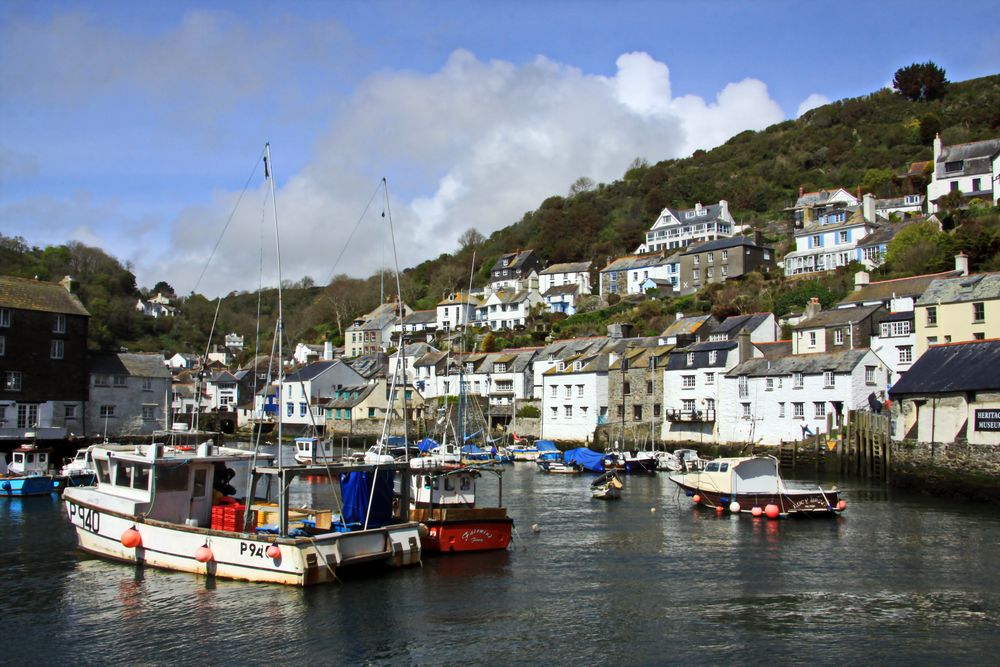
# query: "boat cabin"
[30,460]
[755,475]
[450,488]
[168,484]
[313,450]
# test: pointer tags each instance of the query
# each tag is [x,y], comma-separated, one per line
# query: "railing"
[691,416]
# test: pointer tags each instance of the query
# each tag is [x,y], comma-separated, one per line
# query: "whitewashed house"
[411,353]
[829,243]
[156,307]
[129,394]
[629,274]
[559,351]
[456,311]
[972,169]
[811,206]
[507,309]
[575,397]
[561,284]
[769,401]
[679,228]
[304,392]
[419,325]
[907,206]
[182,361]
[306,353]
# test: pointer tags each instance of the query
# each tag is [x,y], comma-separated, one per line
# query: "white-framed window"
[838,336]
[568,390]
[725,270]
[713,356]
[828,379]
[579,390]
[568,410]
[553,390]
[107,411]
[120,380]
[12,381]
[842,237]
[687,381]
[746,410]
[797,381]
[781,409]
[932,316]
[798,411]
[147,384]
[819,410]
[709,272]
[979,311]
[695,275]
[59,324]
[812,339]
[905,354]
[687,405]
[303,409]
[709,378]
[689,358]
[58,349]
[4,317]
[555,412]
[769,384]
[149,413]
[869,375]
[725,255]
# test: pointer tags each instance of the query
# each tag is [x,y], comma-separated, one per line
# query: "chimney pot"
[962,263]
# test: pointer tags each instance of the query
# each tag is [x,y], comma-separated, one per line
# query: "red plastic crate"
[230,517]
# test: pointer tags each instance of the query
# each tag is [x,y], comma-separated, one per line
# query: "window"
[932,340]
[148,413]
[724,271]
[695,275]
[3,345]
[568,390]
[121,380]
[709,272]
[289,409]
[147,384]
[4,317]
[978,335]
[568,409]
[781,409]
[953,166]
[978,311]
[711,258]
[107,411]
[746,410]
[12,381]
[725,255]
[977,184]
[798,411]
[626,388]
[649,386]
[555,412]
[869,375]
[687,405]
[954,186]
[812,339]
[637,412]
[905,354]
[828,379]
[689,358]
[553,390]
[797,380]
[838,336]
[713,356]
[769,384]
[621,410]
[59,325]
[656,409]
[69,411]
[744,386]
[932,316]
[819,410]
[817,241]
[842,237]
[57,349]
[709,378]
[687,382]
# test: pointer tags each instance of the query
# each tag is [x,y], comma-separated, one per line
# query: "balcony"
[691,416]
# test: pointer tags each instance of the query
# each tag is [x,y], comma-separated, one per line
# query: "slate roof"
[458,299]
[421,317]
[568,267]
[817,197]
[561,349]
[952,367]
[364,392]
[25,294]
[431,358]
[512,260]
[125,363]
[701,359]
[970,151]
[370,365]
[897,202]
[311,371]
[881,235]
[712,213]
[775,350]
[807,364]
[721,244]
[685,325]
[837,317]
[855,219]
[977,287]
[629,262]
[884,290]
[560,290]
[733,325]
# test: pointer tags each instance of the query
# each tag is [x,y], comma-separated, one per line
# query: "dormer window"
[688,215]
[577,365]
[951,167]
[702,212]
[911,200]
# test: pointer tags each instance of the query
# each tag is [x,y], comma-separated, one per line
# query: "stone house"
[372,333]
[130,394]
[635,395]
[836,329]
[628,274]
[721,260]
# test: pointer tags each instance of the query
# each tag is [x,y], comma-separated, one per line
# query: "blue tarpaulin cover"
[427,445]
[396,441]
[472,449]
[546,446]
[588,458]
[355,489]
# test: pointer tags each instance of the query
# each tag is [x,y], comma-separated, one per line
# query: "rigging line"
[357,224]
[229,220]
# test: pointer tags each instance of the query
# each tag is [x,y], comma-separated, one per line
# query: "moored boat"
[444,501]
[559,467]
[79,471]
[315,451]
[753,485]
[30,473]
[607,487]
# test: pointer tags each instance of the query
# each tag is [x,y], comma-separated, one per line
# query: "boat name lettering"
[258,550]
[477,535]
[89,519]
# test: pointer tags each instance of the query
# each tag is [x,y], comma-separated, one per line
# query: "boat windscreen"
[759,475]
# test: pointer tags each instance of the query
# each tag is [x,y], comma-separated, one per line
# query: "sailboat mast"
[279,328]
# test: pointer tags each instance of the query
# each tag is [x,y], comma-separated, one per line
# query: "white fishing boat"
[80,470]
[315,451]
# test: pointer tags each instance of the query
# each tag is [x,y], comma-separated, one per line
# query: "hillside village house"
[635,393]
[234,342]
[157,306]
[561,284]
[679,228]
[181,361]
[418,325]
[306,353]
[687,330]
[356,408]
[411,353]
[907,206]
[953,310]
[456,311]
[575,397]
[831,241]
[507,309]
[811,206]
[129,394]
[951,394]
[513,268]
[770,401]
[836,329]
[627,275]
[372,332]
[721,260]
[559,351]
[972,169]
[43,359]
[305,391]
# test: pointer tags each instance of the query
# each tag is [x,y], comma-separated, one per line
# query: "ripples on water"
[896,580]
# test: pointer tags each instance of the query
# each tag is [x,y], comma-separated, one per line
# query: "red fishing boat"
[443,500]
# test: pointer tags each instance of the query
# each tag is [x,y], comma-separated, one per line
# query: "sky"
[139,127]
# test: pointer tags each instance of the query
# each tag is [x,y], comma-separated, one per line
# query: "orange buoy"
[719,509]
[274,552]
[756,511]
[131,538]
[772,511]
[696,498]
[203,554]
[841,505]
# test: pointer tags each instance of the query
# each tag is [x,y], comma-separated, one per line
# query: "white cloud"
[475,144]
[813,101]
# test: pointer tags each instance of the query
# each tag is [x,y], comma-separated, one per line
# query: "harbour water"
[897,580]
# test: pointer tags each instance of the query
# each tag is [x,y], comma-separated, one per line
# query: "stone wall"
[959,470]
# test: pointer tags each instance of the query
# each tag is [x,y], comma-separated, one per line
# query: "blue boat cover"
[546,446]
[472,449]
[355,489]
[396,441]
[588,458]
[426,445]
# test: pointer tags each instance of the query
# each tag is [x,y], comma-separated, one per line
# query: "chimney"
[962,263]
[868,207]
[67,283]
[723,209]
[697,208]
[937,148]
[758,238]
[812,308]
[743,346]
[680,316]
[327,351]
[861,280]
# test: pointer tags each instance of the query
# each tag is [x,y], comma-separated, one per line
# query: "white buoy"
[734,507]
[535,528]
[652,509]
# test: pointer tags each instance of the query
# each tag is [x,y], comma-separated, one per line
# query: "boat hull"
[241,556]
[789,503]
[29,485]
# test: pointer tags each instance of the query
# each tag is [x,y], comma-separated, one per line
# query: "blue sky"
[133,126]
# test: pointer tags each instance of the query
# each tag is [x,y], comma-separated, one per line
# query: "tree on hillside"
[920,82]
[918,249]
[163,287]
[470,238]
[582,184]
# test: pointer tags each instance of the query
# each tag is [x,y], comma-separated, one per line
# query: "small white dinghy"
[607,487]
